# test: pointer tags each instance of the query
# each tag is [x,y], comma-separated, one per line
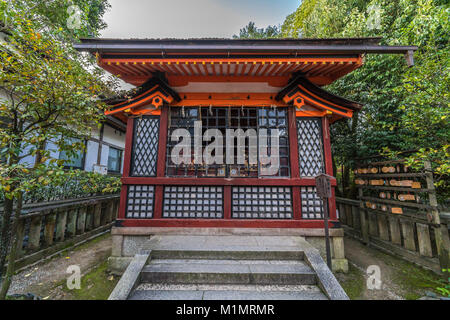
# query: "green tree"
[426,88]
[404,108]
[250,31]
[55,16]
[46,93]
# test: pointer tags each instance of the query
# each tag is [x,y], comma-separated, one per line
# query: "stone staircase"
[228,268]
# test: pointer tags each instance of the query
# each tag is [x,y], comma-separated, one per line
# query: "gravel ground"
[400,279]
[39,279]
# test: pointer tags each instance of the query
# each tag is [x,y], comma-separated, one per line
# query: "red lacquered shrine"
[229,84]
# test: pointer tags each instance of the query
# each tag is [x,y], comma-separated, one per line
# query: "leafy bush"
[69,184]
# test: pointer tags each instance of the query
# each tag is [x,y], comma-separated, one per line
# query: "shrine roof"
[330,45]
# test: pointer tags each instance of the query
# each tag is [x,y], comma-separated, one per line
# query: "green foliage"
[319,18]
[426,102]
[250,31]
[404,108]
[51,16]
[445,289]
[47,94]
[57,184]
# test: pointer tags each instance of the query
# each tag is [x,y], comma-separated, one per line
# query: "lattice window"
[243,118]
[181,118]
[276,118]
[227,118]
[310,147]
[205,202]
[145,146]
[312,205]
[140,201]
[261,203]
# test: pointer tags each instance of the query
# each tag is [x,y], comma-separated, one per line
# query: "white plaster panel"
[114,137]
[104,157]
[91,155]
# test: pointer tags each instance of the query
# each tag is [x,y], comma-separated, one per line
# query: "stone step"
[229,253]
[224,272]
[227,262]
[226,292]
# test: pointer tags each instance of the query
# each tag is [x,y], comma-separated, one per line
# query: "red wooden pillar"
[329,164]
[227,202]
[161,162]
[293,157]
[126,166]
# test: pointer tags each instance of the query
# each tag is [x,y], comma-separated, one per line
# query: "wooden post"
[110,205]
[97,215]
[348,215]
[394,228]
[89,217]
[442,246]
[362,214]
[383,227]
[373,224]
[117,204]
[49,229]
[20,235]
[34,236]
[342,216]
[81,223]
[104,213]
[356,218]
[116,209]
[445,239]
[71,222]
[61,221]
[408,235]
[423,235]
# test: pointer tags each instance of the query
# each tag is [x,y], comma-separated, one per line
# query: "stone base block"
[118,265]
[339,265]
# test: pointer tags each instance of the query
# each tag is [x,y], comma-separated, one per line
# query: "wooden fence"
[48,228]
[397,212]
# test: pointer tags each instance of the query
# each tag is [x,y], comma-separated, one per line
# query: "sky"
[191,18]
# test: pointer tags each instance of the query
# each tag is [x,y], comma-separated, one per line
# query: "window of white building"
[114,160]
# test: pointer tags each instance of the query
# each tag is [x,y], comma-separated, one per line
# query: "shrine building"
[222,84]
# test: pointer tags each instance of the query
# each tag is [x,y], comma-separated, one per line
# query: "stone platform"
[225,267]
[128,241]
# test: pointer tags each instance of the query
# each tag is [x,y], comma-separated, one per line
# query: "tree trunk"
[13,252]
[6,236]
[6,227]
[38,158]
